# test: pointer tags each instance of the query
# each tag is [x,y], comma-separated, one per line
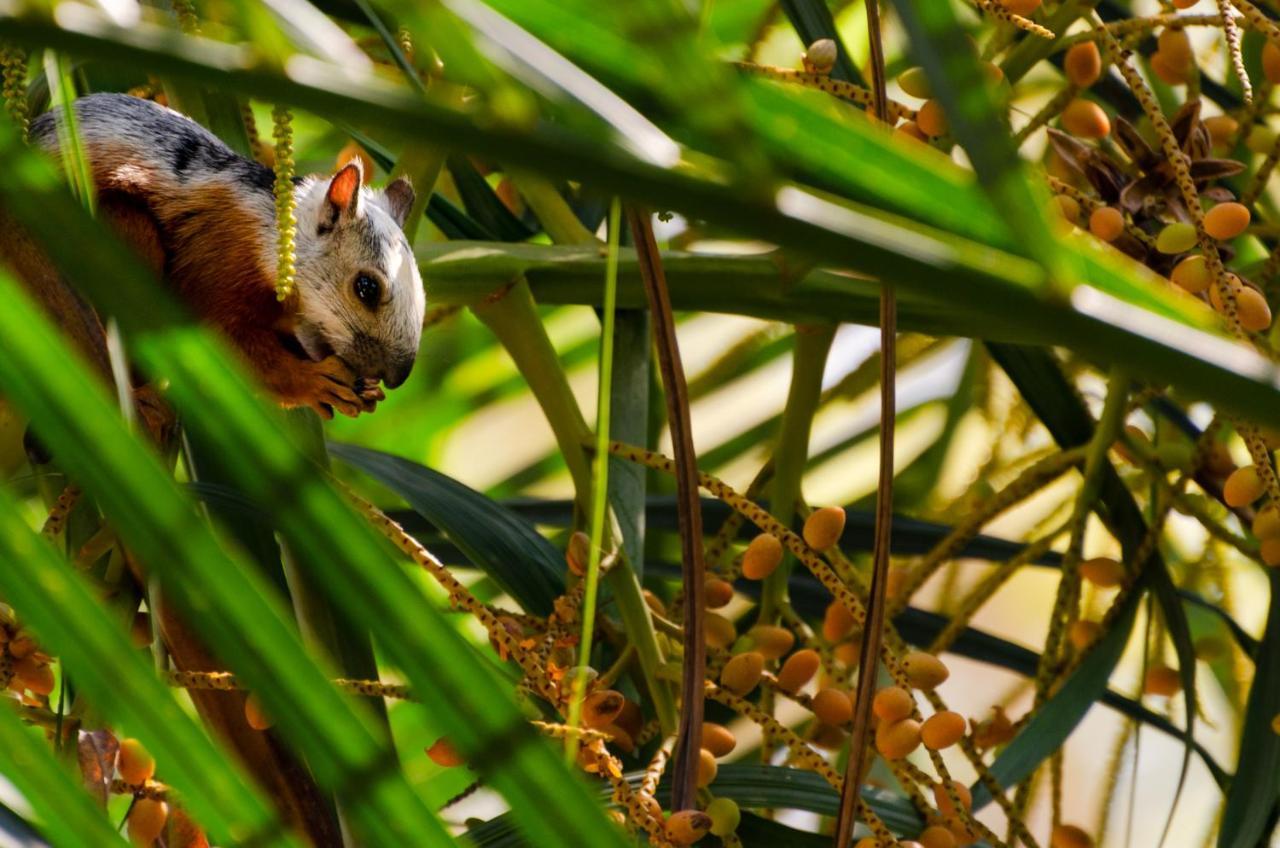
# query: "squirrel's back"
[141,147]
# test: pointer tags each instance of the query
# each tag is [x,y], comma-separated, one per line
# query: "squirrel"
[204,218]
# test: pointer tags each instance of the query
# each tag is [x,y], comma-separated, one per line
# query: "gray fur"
[169,156]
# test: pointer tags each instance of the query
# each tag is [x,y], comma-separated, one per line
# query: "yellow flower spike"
[286,223]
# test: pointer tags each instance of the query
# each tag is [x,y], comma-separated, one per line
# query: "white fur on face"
[366,240]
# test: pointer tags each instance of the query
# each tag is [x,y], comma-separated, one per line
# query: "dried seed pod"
[993,731]
[1192,274]
[1226,220]
[1069,836]
[942,730]
[578,554]
[687,826]
[443,754]
[943,799]
[932,122]
[719,631]
[837,622]
[742,672]
[832,706]
[1083,64]
[717,593]
[1085,119]
[799,669]
[936,836]
[925,671]
[707,768]
[772,641]
[725,816]
[762,556]
[897,740]
[823,527]
[1084,633]
[1178,237]
[915,83]
[893,703]
[1243,487]
[718,739]
[599,709]
[134,763]
[147,818]
[820,58]
[1271,62]
[1162,680]
[1103,572]
[1107,223]
[254,715]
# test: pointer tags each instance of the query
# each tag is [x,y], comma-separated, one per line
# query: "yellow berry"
[1252,309]
[1178,237]
[1271,62]
[761,557]
[943,799]
[897,740]
[1069,207]
[915,83]
[833,707]
[1103,572]
[942,730]
[1222,129]
[1162,680]
[146,821]
[443,754]
[1084,633]
[1106,222]
[717,593]
[798,670]
[1261,139]
[1083,64]
[936,836]
[742,672]
[1226,220]
[725,816]
[925,671]
[824,527]
[1269,551]
[837,622]
[255,715]
[1169,72]
[1069,836]
[718,739]
[1021,7]
[719,631]
[1085,119]
[134,764]
[1175,46]
[771,641]
[34,674]
[1275,723]
[893,703]
[1243,487]
[707,768]
[687,826]
[1192,274]
[931,120]
[600,708]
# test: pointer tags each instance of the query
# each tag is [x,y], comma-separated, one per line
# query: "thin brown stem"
[689,733]
[874,631]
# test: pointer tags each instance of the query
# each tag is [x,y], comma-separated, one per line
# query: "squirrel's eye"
[368,290]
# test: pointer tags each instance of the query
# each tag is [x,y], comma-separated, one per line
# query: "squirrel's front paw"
[331,385]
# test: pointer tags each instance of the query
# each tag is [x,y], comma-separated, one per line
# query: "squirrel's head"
[360,294]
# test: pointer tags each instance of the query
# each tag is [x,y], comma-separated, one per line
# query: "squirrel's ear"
[400,197]
[343,196]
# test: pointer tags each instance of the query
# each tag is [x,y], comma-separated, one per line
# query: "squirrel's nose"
[398,371]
